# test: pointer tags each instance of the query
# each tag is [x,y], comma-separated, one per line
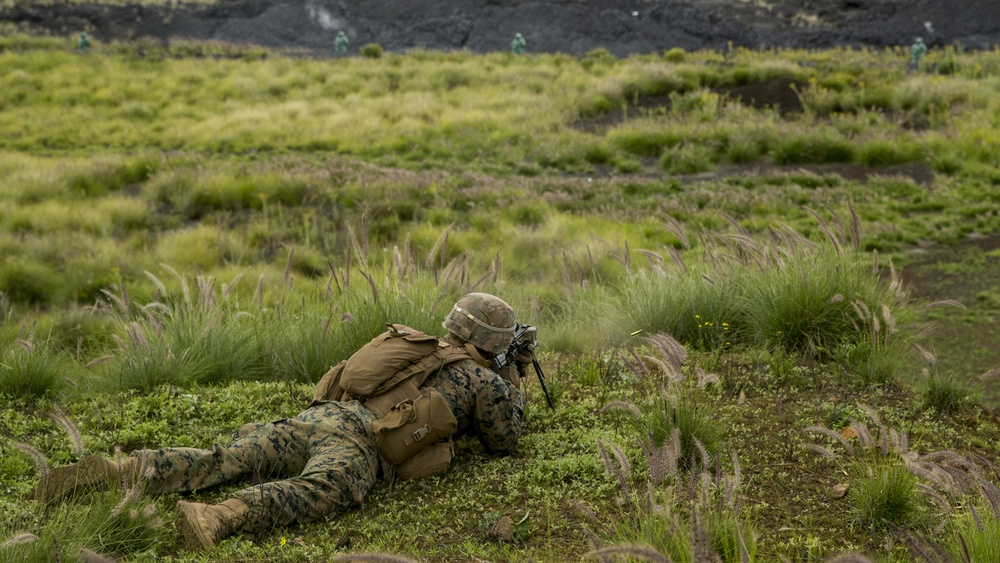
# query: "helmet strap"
[476,356]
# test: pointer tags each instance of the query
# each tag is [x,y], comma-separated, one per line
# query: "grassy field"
[192,236]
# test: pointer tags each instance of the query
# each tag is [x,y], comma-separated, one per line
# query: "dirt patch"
[776,93]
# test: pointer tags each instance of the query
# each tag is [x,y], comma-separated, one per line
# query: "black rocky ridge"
[568,26]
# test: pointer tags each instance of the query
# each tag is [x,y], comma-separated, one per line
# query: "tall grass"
[785,292]
[33,370]
[883,493]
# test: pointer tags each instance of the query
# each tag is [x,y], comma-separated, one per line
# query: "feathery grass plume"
[936,497]
[620,469]
[848,448]
[641,551]
[595,543]
[820,450]
[228,288]
[856,231]
[88,556]
[371,283]
[945,303]
[639,368]
[928,357]
[185,289]
[587,513]
[622,405]
[837,222]
[883,431]
[75,438]
[928,551]
[436,257]
[705,378]
[663,460]
[849,558]
[673,352]
[672,375]
[701,548]
[736,225]
[373,558]
[678,260]
[675,227]
[19,539]
[161,290]
[359,252]
[132,491]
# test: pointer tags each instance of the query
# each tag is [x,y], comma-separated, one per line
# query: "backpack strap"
[405,384]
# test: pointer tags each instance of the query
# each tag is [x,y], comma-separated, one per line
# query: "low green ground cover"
[191,237]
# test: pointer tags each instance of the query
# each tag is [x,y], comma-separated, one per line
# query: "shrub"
[695,424]
[812,149]
[30,282]
[645,139]
[31,371]
[687,159]
[883,492]
[106,526]
[745,150]
[944,393]
[675,55]
[976,536]
[885,153]
[371,51]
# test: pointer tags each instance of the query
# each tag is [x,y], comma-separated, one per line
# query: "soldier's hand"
[522,361]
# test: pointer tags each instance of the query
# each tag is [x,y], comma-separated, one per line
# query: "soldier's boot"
[203,526]
[93,472]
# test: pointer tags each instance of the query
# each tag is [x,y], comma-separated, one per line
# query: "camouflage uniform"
[325,457]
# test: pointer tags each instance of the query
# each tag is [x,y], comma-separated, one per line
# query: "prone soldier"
[328,458]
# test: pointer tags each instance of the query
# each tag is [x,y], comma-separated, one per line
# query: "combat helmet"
[484,320]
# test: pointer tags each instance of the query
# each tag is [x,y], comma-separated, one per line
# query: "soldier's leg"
[342,469]
[271,451]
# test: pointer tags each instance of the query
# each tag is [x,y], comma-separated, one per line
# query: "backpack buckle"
[421,433]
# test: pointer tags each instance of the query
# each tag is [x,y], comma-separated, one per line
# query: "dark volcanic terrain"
[570,26]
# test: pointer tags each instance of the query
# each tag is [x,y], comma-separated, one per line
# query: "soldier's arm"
[498,413]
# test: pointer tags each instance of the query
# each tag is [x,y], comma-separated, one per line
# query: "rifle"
[525,340]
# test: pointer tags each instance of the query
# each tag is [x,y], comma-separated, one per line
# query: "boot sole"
[92,472]
[186,519]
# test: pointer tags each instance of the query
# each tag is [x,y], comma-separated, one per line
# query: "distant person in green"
[917,51]
[340,43]
[83,43]
[518,44]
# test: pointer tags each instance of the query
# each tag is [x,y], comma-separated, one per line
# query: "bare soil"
[570,26]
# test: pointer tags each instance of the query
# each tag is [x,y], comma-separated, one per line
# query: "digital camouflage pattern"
[325,460]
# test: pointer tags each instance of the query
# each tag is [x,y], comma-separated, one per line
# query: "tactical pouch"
[430,461]
[414,424]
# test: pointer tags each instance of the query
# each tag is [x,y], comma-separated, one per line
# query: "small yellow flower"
[284,541]
[697,316]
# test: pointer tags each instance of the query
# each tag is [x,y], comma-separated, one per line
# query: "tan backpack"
[386,375]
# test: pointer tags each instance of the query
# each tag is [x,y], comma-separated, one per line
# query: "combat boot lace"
[203,526]
[93,472]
